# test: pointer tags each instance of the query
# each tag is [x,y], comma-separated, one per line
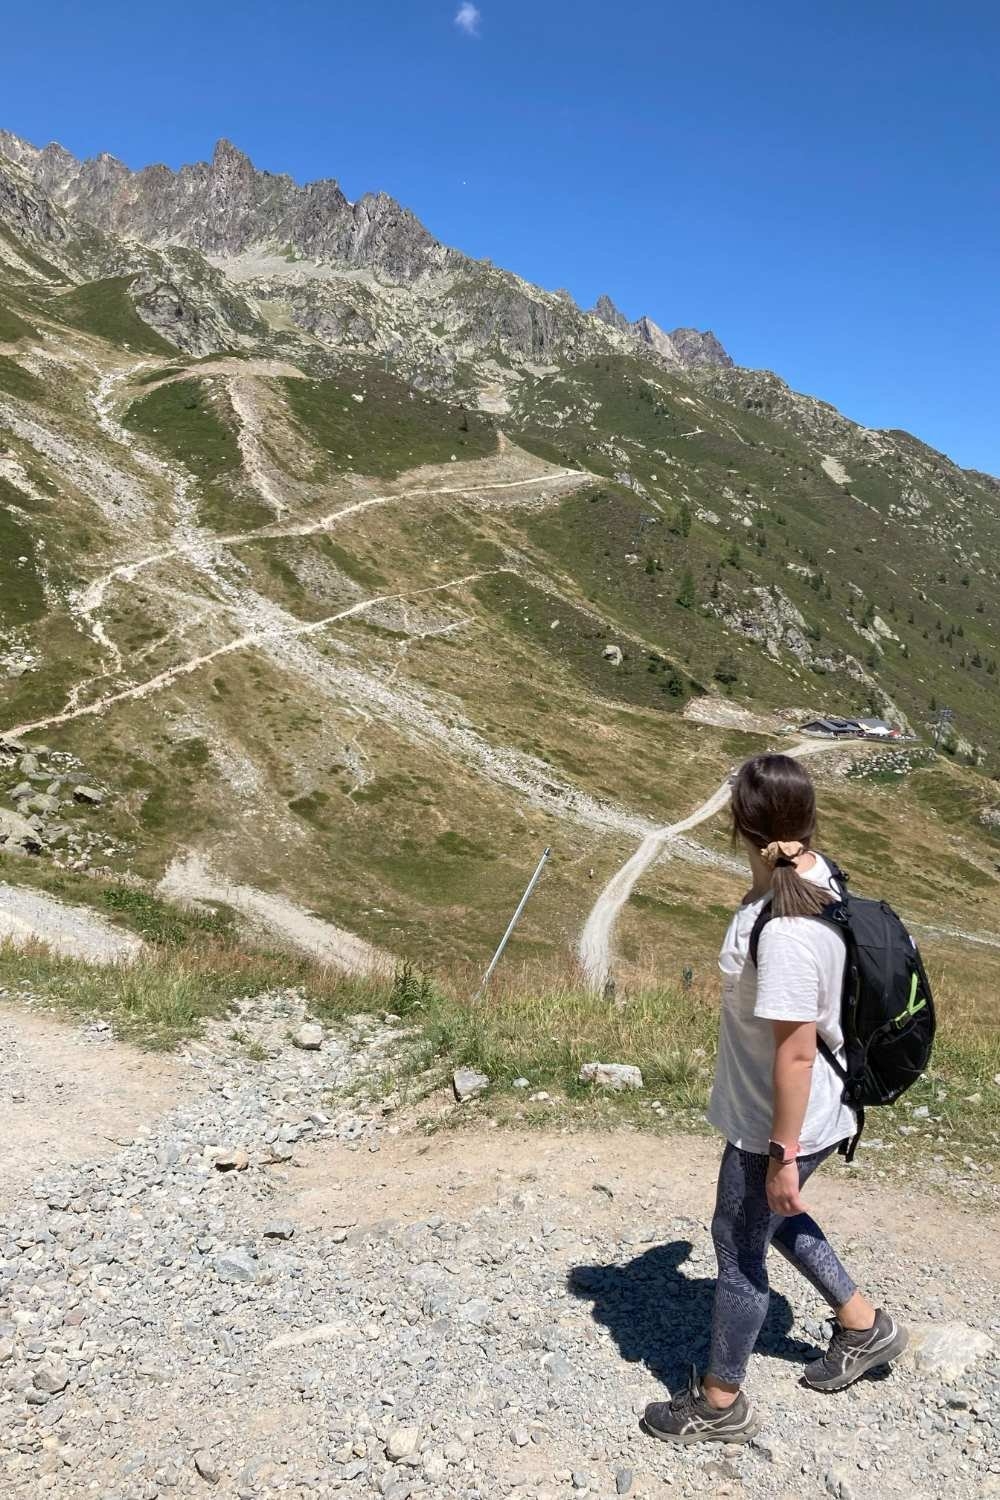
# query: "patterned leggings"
[743,1228]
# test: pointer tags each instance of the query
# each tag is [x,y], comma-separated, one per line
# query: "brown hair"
[774,801]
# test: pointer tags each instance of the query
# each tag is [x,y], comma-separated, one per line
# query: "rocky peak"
[661,343]
[684,346]
[697,348]
[608,313]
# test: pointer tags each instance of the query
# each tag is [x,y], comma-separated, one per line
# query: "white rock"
[207,1467]
[402,1444]
[309,1037]
[467,1083]
[615,1076]
[947,1350]
[613,654]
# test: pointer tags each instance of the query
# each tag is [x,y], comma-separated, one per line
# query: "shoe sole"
[884,1354]
[745,1434]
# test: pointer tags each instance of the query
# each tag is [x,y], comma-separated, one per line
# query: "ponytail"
[774,808]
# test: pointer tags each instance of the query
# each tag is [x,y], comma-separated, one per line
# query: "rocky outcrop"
[685,346]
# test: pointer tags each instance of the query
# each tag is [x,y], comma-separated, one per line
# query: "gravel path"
[189,878]
[29,916]
[273,1287]
[595,946]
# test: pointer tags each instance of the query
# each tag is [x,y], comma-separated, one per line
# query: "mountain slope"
[338,622]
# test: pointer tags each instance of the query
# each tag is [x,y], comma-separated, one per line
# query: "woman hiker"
[779,1107]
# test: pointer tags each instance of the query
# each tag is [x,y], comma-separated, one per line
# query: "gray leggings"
[743,1228]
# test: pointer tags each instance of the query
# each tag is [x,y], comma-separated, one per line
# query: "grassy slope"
[423,855]
[744,468]
[105,308]
[392,428]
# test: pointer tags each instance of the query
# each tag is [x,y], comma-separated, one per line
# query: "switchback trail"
[595,946]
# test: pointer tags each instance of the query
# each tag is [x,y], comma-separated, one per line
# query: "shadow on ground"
[662,1318]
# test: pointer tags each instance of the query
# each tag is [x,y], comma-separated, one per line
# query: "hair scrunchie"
[782,852]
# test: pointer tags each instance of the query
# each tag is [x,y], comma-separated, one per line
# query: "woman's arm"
[794,1056]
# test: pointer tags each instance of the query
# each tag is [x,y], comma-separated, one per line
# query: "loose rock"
[615,1076]
[467,1083]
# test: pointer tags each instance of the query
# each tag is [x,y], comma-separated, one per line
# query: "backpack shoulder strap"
[763,917]
[840,879]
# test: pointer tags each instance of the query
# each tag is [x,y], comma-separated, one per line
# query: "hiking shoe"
[688,1418]
[853,1352]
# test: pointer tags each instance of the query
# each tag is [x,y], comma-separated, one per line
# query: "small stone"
[402,1444]
[309,1037]
[720,1469]
[51,1379]
[521,1083]
[623,1480]
[922,1113]
[236,1265]
[613,654]
[281,1229]
[467,1083]
[339,1236]
[520,1437]
[615,1076]
[6,1350]
[207,1467]
[454,1451]
[232,1161]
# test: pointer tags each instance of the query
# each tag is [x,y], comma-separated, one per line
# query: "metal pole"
[512,924]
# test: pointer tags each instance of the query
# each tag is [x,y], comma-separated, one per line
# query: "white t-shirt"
[799,973]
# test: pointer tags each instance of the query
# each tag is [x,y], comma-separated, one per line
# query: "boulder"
[613,654]
[44,804]
[16,833]
[22,790]
[467,1083]
[615,1076]
[89,796]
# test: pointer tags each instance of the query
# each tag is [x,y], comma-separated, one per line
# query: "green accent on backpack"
[911,1009]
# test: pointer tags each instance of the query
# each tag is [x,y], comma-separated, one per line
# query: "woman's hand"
[783,1189]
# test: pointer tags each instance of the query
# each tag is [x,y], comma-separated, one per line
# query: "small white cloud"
[467,18]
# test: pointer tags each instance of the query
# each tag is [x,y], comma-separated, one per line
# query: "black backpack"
[886,1007]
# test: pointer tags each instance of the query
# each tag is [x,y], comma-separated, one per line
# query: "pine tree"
[686,595]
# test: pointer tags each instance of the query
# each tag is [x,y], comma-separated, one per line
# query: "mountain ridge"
[227,207]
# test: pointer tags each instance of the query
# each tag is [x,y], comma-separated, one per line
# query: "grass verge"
[535,1023]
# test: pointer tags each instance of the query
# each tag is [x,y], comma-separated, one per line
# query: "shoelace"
[841,1338]
[684,1401]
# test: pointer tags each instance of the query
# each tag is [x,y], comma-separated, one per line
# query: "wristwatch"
[785,1154]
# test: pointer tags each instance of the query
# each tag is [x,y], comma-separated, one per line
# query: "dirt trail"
[595,945]
[128,571]
[68,1096]
[239,643]
[189,878]
[76,931]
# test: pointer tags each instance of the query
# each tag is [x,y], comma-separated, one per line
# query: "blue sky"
[818,184]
